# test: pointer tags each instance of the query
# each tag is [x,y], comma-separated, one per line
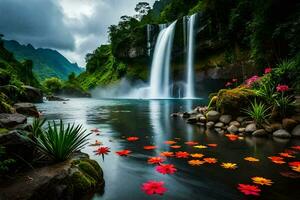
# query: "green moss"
[89,169]
[5,105]
[3,130]
[80,182]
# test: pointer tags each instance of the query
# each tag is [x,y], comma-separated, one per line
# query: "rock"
[246,123]
[26,109]
[210,124]
[213,116]
[55,98]
[281,133]
[276,126]
[11,120]
[5,104]
[201,110]
[186,115]
[235,123]
[289,124]
[260,133]
[192,120]
[241,119]
[250,128]
[200,124]
[17,144]
[296,131]
[68,180]
[225,119]
[31,94]
[232,129]
[242,130]
[175,115]
[219,125]
[267,128]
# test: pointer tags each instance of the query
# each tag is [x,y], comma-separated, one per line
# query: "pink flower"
[268,70]
[154,187]
[282,88]
[252,80]
[228,84]
[166,169]
[234,80]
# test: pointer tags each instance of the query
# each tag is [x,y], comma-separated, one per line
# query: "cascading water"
[149,39]
[190,91]
[160,69]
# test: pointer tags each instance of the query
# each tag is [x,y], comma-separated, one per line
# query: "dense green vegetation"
[46,62]
[264,31]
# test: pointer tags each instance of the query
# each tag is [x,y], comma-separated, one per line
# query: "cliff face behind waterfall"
[225,46]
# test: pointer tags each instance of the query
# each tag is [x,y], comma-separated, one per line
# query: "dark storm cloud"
[39,22]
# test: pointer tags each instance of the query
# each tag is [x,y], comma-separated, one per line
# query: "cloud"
[37,22]
[73,27]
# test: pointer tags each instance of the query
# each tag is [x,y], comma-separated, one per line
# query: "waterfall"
[190,93]
[149,39]
[160,69]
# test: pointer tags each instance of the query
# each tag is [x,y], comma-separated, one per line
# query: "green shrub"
[37,127]
[284,104]
[259,112]
[58,144]
[53,84]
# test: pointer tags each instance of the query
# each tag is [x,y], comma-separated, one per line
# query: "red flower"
[282,88]
[166,169]
[131,139]
[228,84]
[182,154]
[249,189]
[234,80]
[154,187]
[123,152]
[149,147]
[252,80]
[268,70]
[155,160]
[102,151]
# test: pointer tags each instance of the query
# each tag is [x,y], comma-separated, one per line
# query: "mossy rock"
[80,182]
[3,131]
[5,104]
[232,101]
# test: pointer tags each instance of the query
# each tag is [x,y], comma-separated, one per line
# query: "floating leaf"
[261,181]
[167,154]
[123,152]
[154,187]
[97,143]
[166,169]
[286,155]
[249,189]
[155,160]
[170,142]
[149,147]
[191,143]
[277,159]
[229,165]
[251,159]
[132,139]
[196,162]
[296,147]
[212,145]
[175,147]
[296,168]
[197,155]
[210,160]
[232,137]
[290,174]
[182,154]
[294,164]
[200,147]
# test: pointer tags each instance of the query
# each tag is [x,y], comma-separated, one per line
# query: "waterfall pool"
[150,121]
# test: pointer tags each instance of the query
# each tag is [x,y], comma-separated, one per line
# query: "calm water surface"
[150,120]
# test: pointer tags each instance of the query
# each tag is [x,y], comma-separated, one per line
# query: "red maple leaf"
[182,154]
[149,147]
[123,152]
[155,160]
[154,187]
[166,169]
[191,143]
[249,189]
[132,139]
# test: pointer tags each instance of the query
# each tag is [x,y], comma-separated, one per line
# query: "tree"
[53,84]
[142,8]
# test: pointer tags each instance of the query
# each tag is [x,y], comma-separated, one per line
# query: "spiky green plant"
[59,143]
[284,104]
[37,127]
[259,112]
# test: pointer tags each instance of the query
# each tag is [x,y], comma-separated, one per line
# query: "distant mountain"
[46,62]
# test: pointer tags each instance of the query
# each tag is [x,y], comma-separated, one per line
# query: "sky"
[72,27]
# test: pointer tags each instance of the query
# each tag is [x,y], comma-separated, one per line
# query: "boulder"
[289,124]
[186,115]
[11,120]
[26,109]
[235,123]
[267,128]
[175,115]
[296,131]
[5,104]
[260,133]
[232,129]
[225,119]
[209,125]
[241,119]
[281,133]
[68,180]
[55,98]
[219,125]
[242,130]
[31,94]
[250,128]
[17,145]
[276,126]
[213,116]
[192,120]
